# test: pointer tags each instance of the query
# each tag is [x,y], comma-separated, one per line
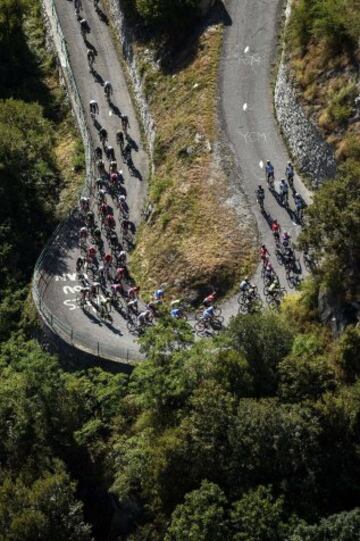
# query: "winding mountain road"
[246,114]
[247,118]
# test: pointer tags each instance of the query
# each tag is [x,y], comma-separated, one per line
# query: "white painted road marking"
[247,49]
[261,164]
[245,106]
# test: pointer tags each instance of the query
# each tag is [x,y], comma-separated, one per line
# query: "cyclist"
[299,205]
[105,307]
[98,153]
[132,306]
[103,135]
[97,234]
[108,260]
[78,7]
[284,192]
[270,173]
[94,108]
[101,183]
[91,252]
[286,238]
[80,263]
[101,197]
[176,313]
[145,318]
[246,285]
[124,122]
[208,313]
[84,204]
[119,274]
[133,292]
[108,89]
[100,167]
[84,293]
[121,258]
[94,290]
[113,164]
[110,221]
[159,294]
[120,139]
[83,233]
[109,151]
[275,228]
[116,290]
[289,173]
[91,58]
[90,219]
[264,254]
[84,27]
[260,196]
[269,272]
[125,226]
[208,301]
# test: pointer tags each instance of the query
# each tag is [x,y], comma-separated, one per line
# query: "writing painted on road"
[253,137]
[244,58]
[69,290]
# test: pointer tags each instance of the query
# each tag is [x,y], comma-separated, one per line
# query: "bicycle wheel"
[217,323]
[200,327]
[243,308]
[131,326]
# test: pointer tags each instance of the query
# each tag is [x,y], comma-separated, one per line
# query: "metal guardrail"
[41,278]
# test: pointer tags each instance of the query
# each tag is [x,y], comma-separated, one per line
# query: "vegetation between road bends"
[193,237]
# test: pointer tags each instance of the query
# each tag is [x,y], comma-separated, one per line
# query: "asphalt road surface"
[246,112]
[246,115]
[106,339]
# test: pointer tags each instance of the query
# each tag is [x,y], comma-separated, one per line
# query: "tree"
[306,373]
[202,516]
[258,517]
[340,527]
[264,339]
[167,12]
[333,231]
[43,510]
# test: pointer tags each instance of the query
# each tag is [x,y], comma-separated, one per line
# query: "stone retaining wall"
[315,158]
[126,38]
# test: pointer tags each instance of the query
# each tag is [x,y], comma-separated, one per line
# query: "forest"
[251,436]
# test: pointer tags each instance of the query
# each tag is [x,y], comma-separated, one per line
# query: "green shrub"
[169,12]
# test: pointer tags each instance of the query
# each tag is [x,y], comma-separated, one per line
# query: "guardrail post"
[127,355]
[72,337]
[51,320]
[98,349]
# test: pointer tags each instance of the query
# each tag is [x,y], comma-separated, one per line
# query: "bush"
[167,12]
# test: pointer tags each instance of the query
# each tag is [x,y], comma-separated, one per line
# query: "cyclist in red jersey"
[119,274]
[209,300]
[133,292]
[110,221]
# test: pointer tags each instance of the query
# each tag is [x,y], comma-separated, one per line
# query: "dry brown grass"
[194,237]
[322,78]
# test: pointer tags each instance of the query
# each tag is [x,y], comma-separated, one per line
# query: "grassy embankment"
[193,240]
[322,45]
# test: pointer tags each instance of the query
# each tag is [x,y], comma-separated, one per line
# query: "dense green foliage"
[167,12]
[333,231]
[336,21]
